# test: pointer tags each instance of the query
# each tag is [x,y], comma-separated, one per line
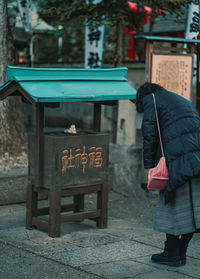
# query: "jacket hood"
[145,89]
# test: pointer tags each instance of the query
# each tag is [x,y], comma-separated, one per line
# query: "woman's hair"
[145,89]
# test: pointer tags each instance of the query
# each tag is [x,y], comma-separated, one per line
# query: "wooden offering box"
[71,160]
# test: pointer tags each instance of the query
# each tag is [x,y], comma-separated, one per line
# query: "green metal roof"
[167,23]
[47,85]
[169,39]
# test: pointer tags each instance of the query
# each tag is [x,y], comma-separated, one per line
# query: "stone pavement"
[122,251]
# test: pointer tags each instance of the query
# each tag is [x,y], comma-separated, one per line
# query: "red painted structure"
[147,12]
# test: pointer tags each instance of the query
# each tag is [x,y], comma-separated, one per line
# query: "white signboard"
[192,29]
[94,43]
[25,10]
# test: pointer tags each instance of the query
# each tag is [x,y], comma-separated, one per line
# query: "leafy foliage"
[72,14]
[109,10]
[175,6]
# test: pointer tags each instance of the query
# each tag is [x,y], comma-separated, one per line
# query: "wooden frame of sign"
[179,49]
[173,72]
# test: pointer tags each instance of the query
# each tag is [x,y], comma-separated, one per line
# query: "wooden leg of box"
[54,213]
[78,203]
[102,204]
[31,205]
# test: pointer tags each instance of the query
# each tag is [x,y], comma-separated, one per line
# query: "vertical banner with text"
[24,7]
[192,29]
[94,42]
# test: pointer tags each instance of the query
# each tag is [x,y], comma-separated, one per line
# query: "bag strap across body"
[161,145]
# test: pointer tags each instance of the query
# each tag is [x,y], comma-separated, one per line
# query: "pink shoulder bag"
[158,176]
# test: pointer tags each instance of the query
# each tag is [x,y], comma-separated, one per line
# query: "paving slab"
[160,274]
[16,263]
[105,253]
[118,269]
[35,241]
[129,229]
[157,239]
[192,268]
[93,239]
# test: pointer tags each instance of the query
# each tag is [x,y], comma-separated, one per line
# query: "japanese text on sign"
[79,158]
[94,42]
[192,30]
[173,72]
[192,27]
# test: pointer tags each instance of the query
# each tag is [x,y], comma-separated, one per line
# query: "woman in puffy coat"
[178,208]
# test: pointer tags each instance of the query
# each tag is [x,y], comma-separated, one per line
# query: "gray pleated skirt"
[183,214]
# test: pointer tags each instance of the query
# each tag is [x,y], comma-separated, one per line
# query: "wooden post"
[102,204]
[31,205]
[149,60]
[39,143]
[97,117]
[54,213]
[191,48]
[78,203]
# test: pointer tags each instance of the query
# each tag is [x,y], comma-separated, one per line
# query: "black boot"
[184,241]
[170,256]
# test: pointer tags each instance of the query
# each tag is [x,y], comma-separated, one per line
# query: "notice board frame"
[163,71]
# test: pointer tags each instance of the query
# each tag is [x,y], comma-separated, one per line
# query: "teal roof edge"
[169,39]
[67,85]
[5,85]
[70,91]
[31,74]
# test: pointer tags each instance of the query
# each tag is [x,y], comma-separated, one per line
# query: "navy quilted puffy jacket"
[180,131]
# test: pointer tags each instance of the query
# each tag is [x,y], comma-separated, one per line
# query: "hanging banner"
[94,42]
[24,7]
[192,30]
[192,26]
